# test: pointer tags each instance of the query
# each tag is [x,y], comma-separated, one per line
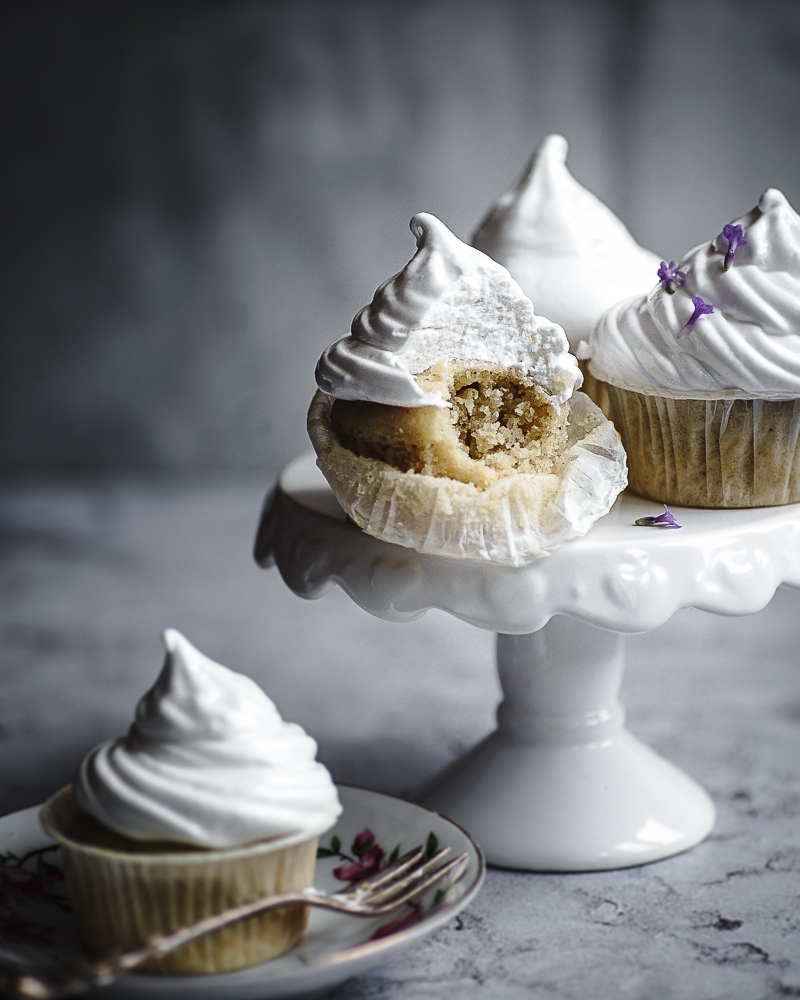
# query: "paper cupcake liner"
[121,899]
[517,519]
[710,453]
[594,388]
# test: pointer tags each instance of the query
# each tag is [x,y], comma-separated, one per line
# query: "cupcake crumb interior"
[500,423]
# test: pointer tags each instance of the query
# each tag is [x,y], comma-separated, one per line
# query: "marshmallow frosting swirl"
[571,255]
[449,302]
[208,761]
[749,347]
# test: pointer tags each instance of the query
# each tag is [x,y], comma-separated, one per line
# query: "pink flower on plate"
[362,841]
[372,860]
[18,884]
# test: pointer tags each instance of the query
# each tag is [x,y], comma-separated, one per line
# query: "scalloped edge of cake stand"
[619,576]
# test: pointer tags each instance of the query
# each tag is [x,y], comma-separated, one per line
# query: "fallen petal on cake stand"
[561,785]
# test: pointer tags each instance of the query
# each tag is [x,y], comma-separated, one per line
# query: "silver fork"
[375,896]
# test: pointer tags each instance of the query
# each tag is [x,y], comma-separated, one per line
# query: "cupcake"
[570,254]
[447,421]
[210,801]
[703,372]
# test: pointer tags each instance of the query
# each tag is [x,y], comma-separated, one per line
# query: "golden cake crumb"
[500,423]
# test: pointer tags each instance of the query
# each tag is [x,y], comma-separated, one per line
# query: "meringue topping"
[743,343]
[208,761]
[569,252]
[449,302]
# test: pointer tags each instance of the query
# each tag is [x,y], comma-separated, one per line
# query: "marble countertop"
[91,574]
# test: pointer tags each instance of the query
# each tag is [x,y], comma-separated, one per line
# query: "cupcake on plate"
[210,801]
[570,254]
[703,372]
[447,420]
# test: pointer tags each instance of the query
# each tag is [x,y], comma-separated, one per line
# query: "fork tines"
[393,871]
[414,881]
[404,879]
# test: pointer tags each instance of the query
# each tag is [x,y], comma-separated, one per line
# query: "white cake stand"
[561,785]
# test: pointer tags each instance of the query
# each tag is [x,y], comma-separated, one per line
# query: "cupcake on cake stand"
[561,785]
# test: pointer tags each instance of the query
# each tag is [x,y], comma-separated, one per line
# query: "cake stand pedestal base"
[561,785]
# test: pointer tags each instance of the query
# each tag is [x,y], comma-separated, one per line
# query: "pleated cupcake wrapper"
[710,453]
[596,390]
[516,520]
[120,900]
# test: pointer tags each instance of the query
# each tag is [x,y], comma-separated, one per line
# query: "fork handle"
[18,984]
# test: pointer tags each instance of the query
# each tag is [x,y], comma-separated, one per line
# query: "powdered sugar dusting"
[450,302]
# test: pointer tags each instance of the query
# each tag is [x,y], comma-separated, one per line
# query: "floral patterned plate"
[36,922]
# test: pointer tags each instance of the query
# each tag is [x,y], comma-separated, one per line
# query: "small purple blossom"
[735,237]
[671,276]
[665,520]
[701,308]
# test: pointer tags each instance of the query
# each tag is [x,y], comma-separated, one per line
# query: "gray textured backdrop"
[198,197]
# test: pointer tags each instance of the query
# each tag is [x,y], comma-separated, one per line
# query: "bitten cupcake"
[447,420]
[210,801]
[570,254]
[704,372]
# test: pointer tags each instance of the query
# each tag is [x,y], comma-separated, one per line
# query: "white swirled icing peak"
[569,252]
[208,761]
[449,302]
[748,347]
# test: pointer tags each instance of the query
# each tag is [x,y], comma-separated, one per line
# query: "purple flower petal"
[671,276]
[701,308]
[665,520]
[735,237]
